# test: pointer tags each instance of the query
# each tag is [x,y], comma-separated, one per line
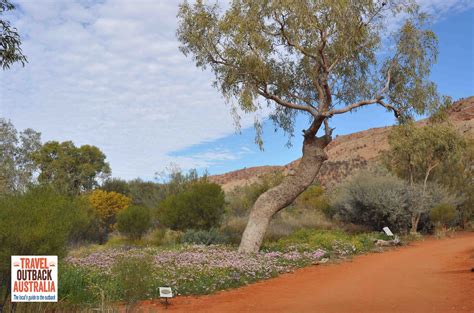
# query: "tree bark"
[415,219]
[279,197]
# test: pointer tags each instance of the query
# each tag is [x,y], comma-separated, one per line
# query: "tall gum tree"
[319,58]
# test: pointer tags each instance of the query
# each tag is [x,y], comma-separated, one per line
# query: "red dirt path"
[431,276]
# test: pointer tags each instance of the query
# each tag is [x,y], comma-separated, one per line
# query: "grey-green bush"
[134,221]
[374,200]
[204,237]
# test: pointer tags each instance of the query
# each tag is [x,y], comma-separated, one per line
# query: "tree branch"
[264,93]
[378,100]
[290,43]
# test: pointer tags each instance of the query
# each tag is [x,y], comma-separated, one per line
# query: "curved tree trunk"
[279,197]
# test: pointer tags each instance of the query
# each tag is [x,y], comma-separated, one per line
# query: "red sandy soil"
[429,276]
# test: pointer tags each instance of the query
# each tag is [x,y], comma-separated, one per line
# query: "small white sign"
[166,292]
[34,278]
[387,231]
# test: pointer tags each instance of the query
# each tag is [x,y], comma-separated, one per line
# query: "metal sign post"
[166,292]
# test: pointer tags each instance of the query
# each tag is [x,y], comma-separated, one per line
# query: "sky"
[109,73]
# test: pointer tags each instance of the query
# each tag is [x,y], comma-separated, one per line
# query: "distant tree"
[146,193]
[459,178]
[71,169]
[10,42]
[106,205]
[313,58]
[417,152]
[16,150]
[117,185]
[134,221]
[199,206]
[175,180]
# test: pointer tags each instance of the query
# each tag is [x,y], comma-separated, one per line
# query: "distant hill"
[349,152]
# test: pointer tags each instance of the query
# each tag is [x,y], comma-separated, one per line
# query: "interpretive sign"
[166,292]
[387,231]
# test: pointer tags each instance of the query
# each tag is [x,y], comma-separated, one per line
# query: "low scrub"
[204,237]
[335,242]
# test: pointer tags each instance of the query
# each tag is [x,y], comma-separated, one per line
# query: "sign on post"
[166,292]
[34,278]
[387,231]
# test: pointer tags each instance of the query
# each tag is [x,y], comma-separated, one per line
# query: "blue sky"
[109,73]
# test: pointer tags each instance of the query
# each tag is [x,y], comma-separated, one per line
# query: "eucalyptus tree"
[319,58]
[434,152]
[10,42]
[17,167]
[70,169]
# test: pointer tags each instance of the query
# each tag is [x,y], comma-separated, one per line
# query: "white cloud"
[110,74]
[209,157]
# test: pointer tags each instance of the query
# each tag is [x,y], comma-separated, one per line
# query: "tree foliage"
[16,151]
[71,169]
[199,206]
[317,57]
[10,42]
[107,204]
[417,152]
[459,179]
[116,184]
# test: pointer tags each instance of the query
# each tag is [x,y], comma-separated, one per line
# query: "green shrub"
[313,198]
[38,222]
[134,221]
[132,279]
[199,206]
[443,214]
[204,237]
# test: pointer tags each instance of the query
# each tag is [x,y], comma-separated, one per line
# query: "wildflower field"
[196,269]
